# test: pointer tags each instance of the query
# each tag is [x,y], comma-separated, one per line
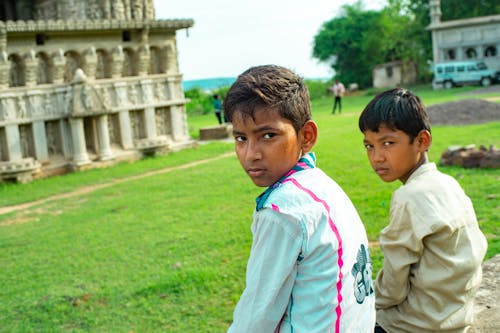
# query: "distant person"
[217,108]
[338,90]
[433,247]
[309,268]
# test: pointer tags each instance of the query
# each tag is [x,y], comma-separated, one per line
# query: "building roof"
[78,25]
[482,20]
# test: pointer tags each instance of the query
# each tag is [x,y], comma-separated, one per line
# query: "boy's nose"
[253,152]
[378,155]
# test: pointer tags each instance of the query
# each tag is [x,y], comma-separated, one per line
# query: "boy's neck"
[423,160]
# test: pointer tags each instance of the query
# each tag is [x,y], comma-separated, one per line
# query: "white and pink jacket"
[309,268]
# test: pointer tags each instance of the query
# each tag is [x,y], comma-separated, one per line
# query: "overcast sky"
[230,36]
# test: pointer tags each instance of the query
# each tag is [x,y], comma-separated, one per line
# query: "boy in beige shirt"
[433,247]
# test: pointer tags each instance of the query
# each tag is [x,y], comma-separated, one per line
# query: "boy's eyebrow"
[257,130]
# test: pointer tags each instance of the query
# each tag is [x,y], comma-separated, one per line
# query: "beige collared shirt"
[433,249]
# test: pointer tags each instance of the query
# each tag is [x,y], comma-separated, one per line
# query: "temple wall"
[77,94]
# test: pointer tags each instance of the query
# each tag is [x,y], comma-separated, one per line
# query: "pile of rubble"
[470,157]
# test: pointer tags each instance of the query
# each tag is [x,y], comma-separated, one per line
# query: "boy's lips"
[381,171]
[255,172]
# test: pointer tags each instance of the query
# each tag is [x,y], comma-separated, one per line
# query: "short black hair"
[273,87]
[398,109]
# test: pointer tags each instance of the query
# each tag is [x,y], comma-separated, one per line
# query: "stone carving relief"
[132,94]
[137,124]
[159,89]
[43,69]
[21,108]
[163,122]
[3,143]
[45,9]
[53,136]
[146,93]
[129,64]
[88,9]
[31,64]
[73,62]
[16,73]
[26,139]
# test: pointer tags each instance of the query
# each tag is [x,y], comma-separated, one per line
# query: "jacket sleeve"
[271,272]
[401,248]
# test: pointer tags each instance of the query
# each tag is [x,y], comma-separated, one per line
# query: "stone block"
[216,132]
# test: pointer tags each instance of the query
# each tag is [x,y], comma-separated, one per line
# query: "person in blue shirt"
[309,268]
[217,108]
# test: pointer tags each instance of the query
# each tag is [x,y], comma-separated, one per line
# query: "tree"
[460,9]
[343,39]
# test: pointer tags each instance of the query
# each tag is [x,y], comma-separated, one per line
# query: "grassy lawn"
[168,252]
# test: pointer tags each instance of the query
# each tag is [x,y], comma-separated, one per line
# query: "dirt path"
[92,188]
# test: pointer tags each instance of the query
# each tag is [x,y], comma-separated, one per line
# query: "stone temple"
[86,83]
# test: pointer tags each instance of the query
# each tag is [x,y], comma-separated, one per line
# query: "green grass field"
[167,252]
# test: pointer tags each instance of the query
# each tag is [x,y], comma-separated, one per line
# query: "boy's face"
[391,154]
[267,146]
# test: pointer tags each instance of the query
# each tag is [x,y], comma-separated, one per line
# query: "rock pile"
[470,157]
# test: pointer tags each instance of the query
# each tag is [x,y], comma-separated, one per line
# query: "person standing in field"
[433,247]
[338,90]
[309,269]
[217,108]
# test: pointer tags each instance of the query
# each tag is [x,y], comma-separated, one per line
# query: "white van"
[457,73]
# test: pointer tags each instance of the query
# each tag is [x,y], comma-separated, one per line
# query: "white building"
[475,38]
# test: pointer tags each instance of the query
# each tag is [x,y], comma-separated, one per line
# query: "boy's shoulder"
[301,187]
[428,179]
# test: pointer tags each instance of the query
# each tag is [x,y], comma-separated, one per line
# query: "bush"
[201,100]
[318,88]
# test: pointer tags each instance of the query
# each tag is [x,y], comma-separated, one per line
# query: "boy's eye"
[368,146]
[269,135]
[239,138]
[387,143]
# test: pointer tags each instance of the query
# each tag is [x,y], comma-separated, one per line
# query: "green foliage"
[318,89]
[343,39]
[460,9]
[201,100]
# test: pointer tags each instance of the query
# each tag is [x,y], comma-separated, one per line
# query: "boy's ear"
[309,133]
[424,140]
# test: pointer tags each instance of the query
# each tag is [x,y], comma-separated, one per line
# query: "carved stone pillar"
[4,70]
[125,130]
[31,64]
[67,147]
[90,63]
[178,121]
[80,156]
[117,58]
[171,60]
[150,123]
[59,63]
[14,150]
[103,136]
[40,141]
[144,59]
[3,37]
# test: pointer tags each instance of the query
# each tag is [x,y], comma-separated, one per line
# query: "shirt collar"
[430,166]
[308,161]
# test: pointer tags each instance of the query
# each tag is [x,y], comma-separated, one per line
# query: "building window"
[490,51]
[471,53]
[40,39]
[388,71]
[126,36]
[450,54]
